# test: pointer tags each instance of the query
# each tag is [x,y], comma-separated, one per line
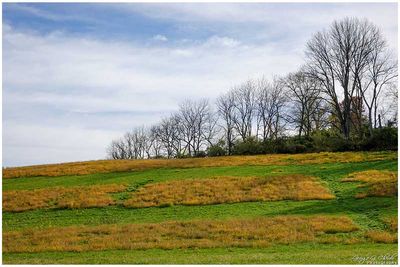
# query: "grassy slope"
[366,212]
[330,171]
[107,166]
[293,254]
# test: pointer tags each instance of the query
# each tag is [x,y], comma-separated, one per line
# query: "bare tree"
[210,129]
[148,142]
[196,124]
[164,132]
[117,150]
[270,102]
[156,142]
[336,58]
[244,103]
[393,94]
[186,118]
[304,95]
[133,145]
[380,74]
[226,111]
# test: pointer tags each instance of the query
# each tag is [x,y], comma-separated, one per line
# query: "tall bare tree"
[393,96]
[196,123]
[380,74]
[306,102]
[165,131]
[336,57]
[244,103]
[133,145]
[226,111]
[156,142]
[270,103]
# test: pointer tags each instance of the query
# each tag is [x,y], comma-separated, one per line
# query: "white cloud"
[273,19]
[160,37]
[56,84]
[32,144]
[222,41]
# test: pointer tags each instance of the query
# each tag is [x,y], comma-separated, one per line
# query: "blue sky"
[76,76]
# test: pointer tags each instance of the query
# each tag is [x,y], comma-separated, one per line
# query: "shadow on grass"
[362,206]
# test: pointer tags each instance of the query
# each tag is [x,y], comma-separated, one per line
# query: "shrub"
[159,157]
[328,140]
[382,139]
[295,145]
[274,146]
[216,150]
[200,154]
[251,146]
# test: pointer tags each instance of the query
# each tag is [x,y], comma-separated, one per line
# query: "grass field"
[312,208]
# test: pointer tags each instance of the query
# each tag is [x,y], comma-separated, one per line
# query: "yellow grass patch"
[387,237]
[104,166]
[378,183]
[59,197]
[256,232]
[382,236]
[228,190]
[392,222]
[371,176]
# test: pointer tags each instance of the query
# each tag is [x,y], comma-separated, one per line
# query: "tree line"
[336,96]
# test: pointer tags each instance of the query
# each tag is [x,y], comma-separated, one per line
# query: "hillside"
[306,208]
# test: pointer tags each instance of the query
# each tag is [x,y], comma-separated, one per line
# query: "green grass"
[330,170]
[282,254]
[367,213]
[364,211]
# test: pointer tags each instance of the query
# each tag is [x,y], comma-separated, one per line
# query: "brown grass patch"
[382,236]
[59,197]
[228,190]
[387,237]
[378,183]
[371,176]
[256,232]
[392,222]
[104,166]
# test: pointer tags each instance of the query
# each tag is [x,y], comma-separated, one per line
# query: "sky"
[76,76]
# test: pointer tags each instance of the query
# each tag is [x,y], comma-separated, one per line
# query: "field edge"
[282,254]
